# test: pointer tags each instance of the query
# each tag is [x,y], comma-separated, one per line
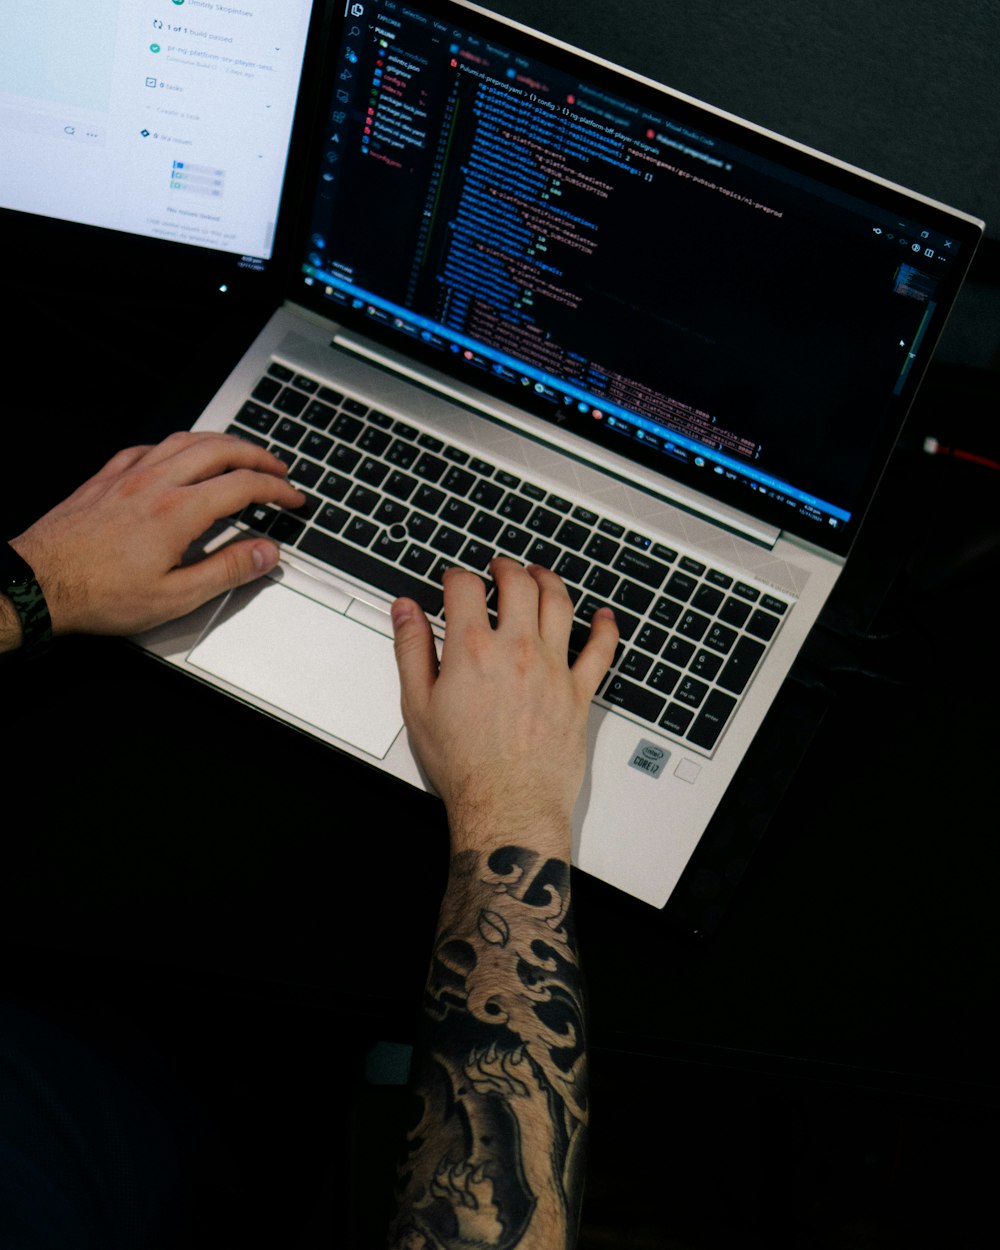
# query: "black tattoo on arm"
[496,1160]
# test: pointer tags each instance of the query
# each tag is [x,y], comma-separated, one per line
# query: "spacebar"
[366,568]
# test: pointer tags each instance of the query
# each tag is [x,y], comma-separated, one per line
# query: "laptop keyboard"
[395,506]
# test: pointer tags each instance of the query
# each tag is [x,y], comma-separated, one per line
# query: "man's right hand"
[500,725]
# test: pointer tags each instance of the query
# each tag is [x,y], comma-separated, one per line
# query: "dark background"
[801,1049]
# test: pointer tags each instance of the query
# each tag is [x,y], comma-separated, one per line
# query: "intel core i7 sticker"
[649,758]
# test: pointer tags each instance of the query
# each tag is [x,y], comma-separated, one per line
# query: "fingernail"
[265,557]
[401,612]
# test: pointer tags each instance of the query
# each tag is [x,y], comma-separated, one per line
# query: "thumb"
[232,566]
[416,657]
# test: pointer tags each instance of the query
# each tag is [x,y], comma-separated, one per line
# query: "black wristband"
[19,584]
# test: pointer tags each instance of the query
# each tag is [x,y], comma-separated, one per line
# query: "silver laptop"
[540,306]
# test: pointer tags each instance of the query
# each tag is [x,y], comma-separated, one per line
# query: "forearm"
[497,1158]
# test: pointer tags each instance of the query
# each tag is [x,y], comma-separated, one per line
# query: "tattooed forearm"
[496,1160]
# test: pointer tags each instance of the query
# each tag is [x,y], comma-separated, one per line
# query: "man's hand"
[108,557]
[500,724]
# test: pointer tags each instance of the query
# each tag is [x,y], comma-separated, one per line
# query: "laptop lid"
[711,302]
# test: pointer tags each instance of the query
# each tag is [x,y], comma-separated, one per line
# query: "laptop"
[538,305]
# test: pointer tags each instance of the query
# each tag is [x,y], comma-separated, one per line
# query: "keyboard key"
[762,625]
[705,664]
[458,481]
[711,720]
[572,535]
[346,428]
[707,599]
[734,612]
[676,719]
[399,485]
[636,665]
[429,467]
[720,638]
[254,417]
[418,559]
[485,526]
[544,522]
[513,540]
[363,500]
[373,440]
[690,565]
[420,527]
[266,390]
[305,473]
[746,592]
[666,612]
[601,548]
[664,677]
[486,494]
[360,531]
[678,651]
[681,586]
[641,567]
[334,486]
[448,541]
[371,472]
[428,498]
[390,512]
[632,596]
[600,581]
[514,508]
[693,625]
[477,554]
[774,605]
[571,568]
[690,691]
[287,432]
[639,700]
[542,552]
[291,402]
[402,455]
[331,518]
[627,623]
[651,638]
[740,666]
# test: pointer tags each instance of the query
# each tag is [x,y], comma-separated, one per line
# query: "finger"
[517,595]
[231,492]
[235,565]
[416,657]
[191,456]
[464,601]
[555,608]
[598,653]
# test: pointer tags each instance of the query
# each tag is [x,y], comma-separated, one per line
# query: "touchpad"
[304,659]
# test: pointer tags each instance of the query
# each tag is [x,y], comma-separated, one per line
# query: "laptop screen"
[170,123]
[692,292]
